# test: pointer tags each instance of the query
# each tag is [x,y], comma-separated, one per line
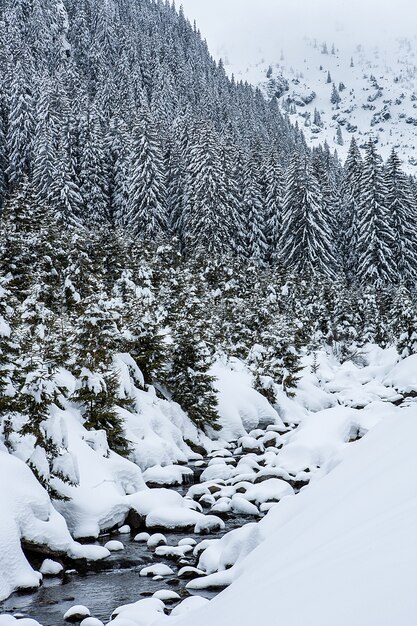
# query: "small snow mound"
[166,595]
[76,613]
[169,475]
[141,537]
[189,604]
[187,541]
[91,621]
[157,569]
[124,530]
[240,506]
[51,568]
[114,546]
[156,540]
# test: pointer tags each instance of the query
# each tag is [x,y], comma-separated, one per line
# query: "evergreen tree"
[188,378]
[405,311]
[276,360]
[147,215]
[97,338]
[273,193]
[255,215]
[348,220]
[376,261]
[20,124]
[206,221]
[335,97]
[403,214]
[306,243]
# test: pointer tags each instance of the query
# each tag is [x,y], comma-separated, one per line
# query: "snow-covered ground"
[343,550]
[347,440]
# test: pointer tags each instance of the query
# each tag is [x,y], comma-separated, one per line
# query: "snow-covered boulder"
[26,513]
[157,569]
[51,568]
[169,475]
[114,546]
[183,518]
[76,613]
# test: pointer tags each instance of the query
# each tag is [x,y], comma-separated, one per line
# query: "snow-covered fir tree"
[375,246]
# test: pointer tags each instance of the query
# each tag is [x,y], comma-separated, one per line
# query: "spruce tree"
[306,241]
[349,214]
[147,213]
[274,196]
[335,96]
[188,377]
[97,338]
[254,214]
[20,123]
[376,261]
[403,215]
[207,222]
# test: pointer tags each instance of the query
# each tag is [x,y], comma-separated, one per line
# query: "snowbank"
[241,408]
[344,550]
[26,514]
[404,375]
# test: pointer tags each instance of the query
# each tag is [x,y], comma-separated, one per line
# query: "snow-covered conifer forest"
[208,339]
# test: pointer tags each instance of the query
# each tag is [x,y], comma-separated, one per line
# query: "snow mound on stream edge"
[26,514]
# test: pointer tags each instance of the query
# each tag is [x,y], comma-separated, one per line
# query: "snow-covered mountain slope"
[376,87]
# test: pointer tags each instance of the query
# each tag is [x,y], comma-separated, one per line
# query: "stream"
[103,591]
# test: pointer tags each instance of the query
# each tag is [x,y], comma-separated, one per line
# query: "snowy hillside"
[376,88]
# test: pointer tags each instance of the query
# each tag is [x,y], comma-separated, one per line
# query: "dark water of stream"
[104,591]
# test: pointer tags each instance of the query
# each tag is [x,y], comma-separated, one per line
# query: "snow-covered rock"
[26,513]
[189,605]
[125,529]
[76,613]
[166,595]
[271,490]
[156,539]
[157,569]
[141,537]
[168,475]
[91,621]
[114,546]
[181,518]
[51,568]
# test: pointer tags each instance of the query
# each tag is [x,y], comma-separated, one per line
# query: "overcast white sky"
[249,28]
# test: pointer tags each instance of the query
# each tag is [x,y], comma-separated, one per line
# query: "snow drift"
[343,551]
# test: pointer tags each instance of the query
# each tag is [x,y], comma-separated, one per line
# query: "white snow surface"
[241,408]
[346,544]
